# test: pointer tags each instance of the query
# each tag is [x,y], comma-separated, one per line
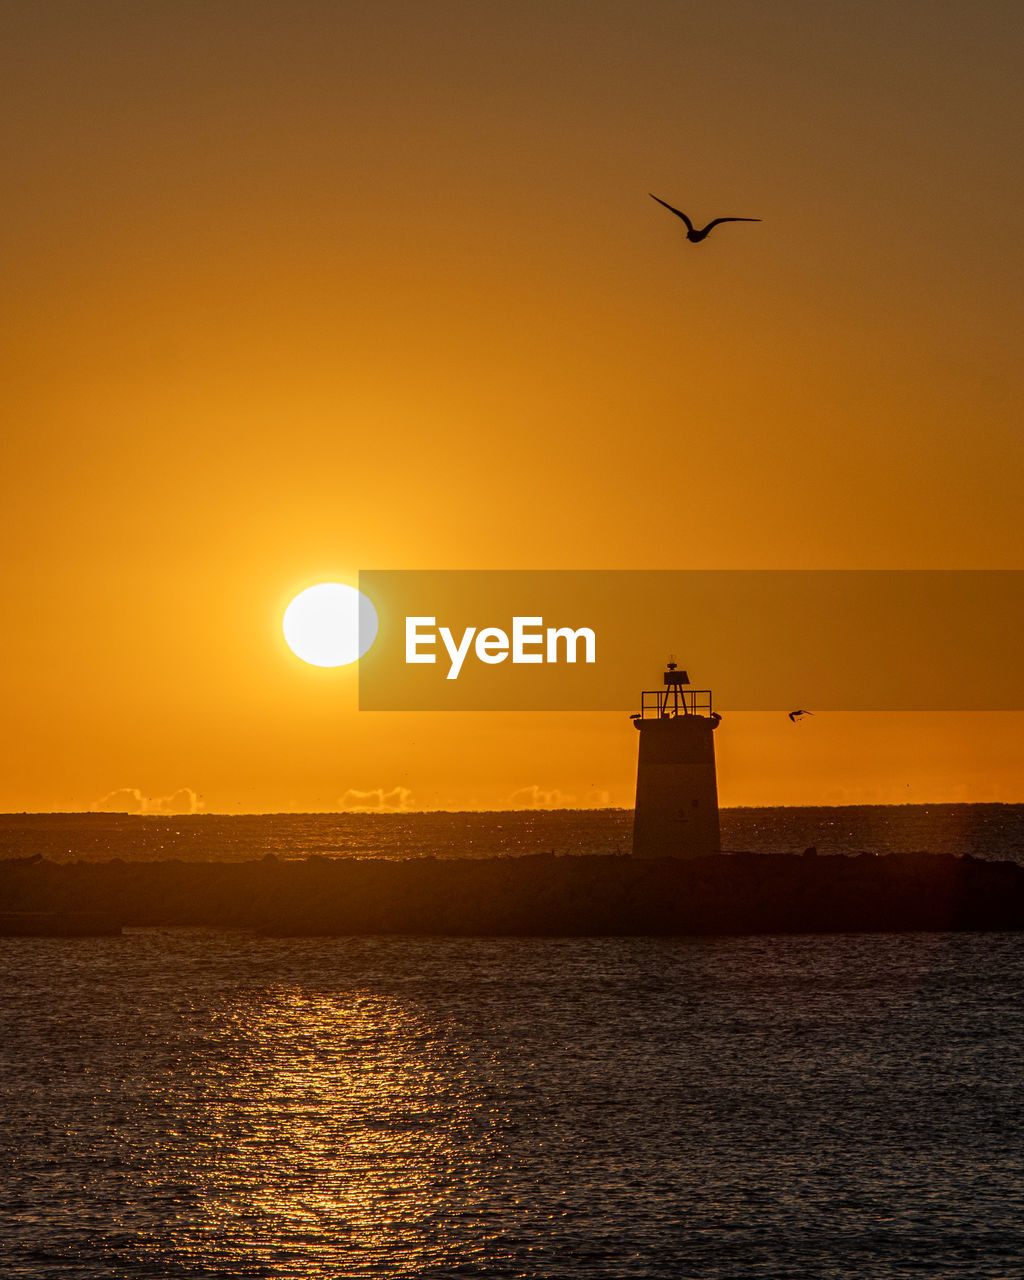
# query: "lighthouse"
[676,789]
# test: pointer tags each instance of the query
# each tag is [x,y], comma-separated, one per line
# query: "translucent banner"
[760,640]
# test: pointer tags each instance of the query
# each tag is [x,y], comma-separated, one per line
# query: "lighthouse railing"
[656,703]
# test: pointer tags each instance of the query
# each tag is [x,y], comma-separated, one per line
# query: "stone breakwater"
[538,895]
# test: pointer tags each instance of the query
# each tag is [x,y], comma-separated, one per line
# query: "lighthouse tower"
[676,789]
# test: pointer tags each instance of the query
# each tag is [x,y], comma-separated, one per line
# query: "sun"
[330,625]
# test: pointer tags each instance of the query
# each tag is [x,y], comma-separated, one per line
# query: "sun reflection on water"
[337,1131]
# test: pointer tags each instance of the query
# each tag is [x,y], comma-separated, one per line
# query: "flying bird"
[795,715]
[696,234]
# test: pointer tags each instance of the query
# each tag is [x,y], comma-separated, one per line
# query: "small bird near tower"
[676,812]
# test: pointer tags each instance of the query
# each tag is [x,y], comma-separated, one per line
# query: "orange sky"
[293,289]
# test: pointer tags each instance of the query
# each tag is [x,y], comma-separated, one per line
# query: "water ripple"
[189,1103]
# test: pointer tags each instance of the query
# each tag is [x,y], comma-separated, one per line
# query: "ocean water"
[177,1104]
[983,830]
[189,1103]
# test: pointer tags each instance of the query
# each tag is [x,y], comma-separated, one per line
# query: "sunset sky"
[295,289]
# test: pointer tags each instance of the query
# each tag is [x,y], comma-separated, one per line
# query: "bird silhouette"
[696,234]
[795,715]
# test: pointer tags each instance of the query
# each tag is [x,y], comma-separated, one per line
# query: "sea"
[193,1103]
[981,830]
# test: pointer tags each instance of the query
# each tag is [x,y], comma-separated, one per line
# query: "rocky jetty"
[535,895]
[58,924]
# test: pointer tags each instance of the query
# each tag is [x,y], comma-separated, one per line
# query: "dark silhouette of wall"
[543,895]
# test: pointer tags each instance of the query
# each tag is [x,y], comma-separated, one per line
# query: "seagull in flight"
[795,715]
[696,234]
